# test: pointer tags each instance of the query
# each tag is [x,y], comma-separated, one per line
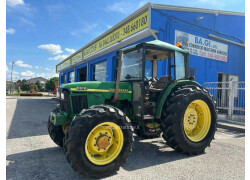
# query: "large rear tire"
[189,119]
[98,141]
[56,133]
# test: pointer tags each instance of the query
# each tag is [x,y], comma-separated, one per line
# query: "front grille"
[65,104]
[79,103]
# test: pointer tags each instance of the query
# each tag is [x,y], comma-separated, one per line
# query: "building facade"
[215,40]
[40,79]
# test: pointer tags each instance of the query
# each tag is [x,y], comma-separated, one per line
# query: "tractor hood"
[97,86]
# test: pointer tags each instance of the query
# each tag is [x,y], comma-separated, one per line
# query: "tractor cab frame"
[147,88]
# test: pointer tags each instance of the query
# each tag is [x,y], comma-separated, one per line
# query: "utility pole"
[12,63]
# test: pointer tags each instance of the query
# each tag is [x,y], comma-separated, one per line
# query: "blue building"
[215,40]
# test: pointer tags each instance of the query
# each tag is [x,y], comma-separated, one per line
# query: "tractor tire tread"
[74,145]
[171,120]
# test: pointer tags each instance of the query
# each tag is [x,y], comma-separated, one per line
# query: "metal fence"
[230,98]
[11,89]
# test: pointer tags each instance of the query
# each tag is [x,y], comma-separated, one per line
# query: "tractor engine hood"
[97,87]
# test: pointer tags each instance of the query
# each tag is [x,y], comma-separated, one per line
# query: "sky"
[41,33]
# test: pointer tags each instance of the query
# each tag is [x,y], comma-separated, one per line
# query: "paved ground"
[32,155]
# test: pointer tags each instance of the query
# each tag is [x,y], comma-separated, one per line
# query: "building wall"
[166,22]
[40,79]
[110,58]
[205,69]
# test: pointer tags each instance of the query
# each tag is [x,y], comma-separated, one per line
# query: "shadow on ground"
[29,116]
[235,134]
[50,163]
[147,153]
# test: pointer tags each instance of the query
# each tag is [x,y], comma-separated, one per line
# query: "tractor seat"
[159,85]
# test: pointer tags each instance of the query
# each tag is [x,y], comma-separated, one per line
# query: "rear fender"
[166,92]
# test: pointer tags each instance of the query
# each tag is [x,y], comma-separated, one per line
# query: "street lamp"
[12,63]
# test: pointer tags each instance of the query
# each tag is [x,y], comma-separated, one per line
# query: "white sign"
[203,47]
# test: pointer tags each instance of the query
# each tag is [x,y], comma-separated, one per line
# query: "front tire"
[189,120]
[98,141]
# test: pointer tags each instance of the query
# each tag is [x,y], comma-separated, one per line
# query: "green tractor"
[95,121]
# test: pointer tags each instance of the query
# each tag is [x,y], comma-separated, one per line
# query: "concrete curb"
[232,127]
[55,98]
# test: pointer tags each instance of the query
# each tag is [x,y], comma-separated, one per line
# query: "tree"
[38,84]
[19,81]
[35,87]
[55,80]
[24,81]
[25,87]
[52,83]
[47,85]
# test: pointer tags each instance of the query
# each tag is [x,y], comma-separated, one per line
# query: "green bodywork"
[59,118]
[103,92]
[99,92]
[167,92]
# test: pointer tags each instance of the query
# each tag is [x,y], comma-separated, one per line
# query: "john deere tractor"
[95,121]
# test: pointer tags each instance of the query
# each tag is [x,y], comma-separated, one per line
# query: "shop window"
[63,79]
[116,62]
[82,74]
[72,77]
[99,71]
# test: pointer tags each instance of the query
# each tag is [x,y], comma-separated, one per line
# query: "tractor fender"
[166,92]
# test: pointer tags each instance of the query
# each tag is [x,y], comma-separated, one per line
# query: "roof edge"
[193,9]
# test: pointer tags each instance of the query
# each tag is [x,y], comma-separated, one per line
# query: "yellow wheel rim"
[64,127]
[104,143]
[197,120]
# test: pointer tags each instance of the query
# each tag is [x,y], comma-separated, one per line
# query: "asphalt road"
[31,154]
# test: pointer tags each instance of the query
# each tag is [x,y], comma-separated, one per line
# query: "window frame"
[94,69]
[69,74]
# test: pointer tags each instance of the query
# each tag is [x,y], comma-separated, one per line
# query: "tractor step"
[148,117]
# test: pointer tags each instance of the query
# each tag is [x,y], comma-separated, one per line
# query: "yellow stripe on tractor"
[100,90]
